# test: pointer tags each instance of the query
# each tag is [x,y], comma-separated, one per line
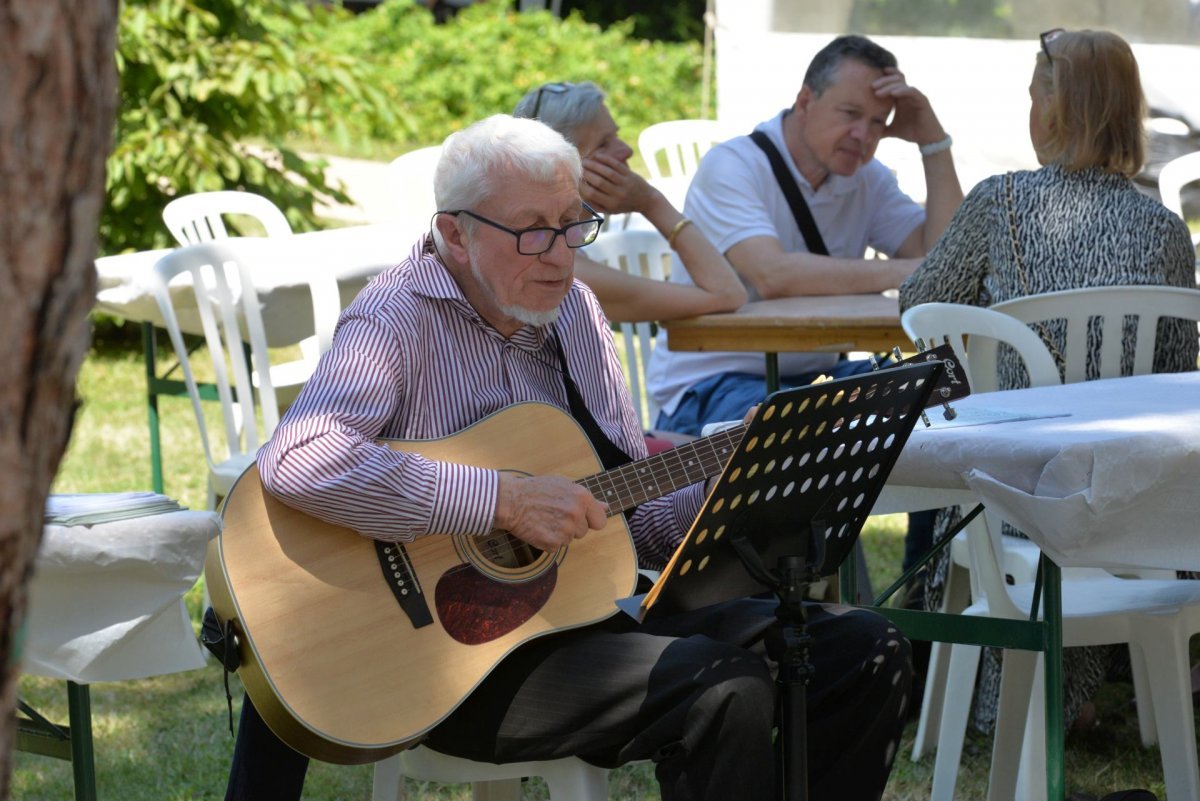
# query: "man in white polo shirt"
[824,146]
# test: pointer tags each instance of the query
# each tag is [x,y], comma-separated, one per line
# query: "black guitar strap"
[610,455]
[791,191]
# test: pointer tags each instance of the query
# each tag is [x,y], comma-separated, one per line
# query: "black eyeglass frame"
[556,88]
[1046,37]
[596,219]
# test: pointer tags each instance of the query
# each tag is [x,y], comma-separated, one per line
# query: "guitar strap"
[791,191]
[610,455]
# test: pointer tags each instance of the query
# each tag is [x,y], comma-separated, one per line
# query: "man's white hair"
[500,148]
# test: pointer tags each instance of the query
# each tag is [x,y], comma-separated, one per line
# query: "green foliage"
[440,78]
[199,83]
[676,21]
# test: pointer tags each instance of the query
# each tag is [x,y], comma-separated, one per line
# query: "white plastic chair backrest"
[645,254]
[410,179]
[219,281]
[1111,304]
[975,333]
[681,142]
[1173,177]
[196,218]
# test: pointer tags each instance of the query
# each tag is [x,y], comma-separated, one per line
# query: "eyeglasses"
[554,89]
[1048,37]
[535,241]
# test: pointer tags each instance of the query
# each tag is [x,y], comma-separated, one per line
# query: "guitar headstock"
[951,385]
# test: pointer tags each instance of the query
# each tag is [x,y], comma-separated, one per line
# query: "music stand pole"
[794,672]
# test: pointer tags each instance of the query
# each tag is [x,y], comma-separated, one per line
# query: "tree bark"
[57,109]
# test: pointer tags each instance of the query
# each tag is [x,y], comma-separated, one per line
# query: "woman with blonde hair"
[1079,221]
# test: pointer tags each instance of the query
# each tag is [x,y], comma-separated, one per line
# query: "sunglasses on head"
[557,88]
[1048,37]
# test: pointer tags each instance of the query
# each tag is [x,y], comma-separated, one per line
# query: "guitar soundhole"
[505,558]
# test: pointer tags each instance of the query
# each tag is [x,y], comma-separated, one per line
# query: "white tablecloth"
[353,254]
[1113,483]
[106,601]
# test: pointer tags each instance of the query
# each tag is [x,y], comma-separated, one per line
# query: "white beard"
[520,313]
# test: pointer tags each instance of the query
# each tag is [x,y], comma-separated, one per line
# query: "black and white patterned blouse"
[1074,229]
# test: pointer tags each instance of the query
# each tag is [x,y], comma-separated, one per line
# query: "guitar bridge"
[400,578]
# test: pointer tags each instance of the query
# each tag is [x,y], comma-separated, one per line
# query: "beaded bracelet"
[936,147]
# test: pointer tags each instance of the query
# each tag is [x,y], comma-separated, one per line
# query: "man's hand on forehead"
[913,119]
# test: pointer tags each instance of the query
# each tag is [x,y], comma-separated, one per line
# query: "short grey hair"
[467,171]
[823,67]
[565,107]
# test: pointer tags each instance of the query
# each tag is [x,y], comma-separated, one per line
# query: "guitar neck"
[637,482]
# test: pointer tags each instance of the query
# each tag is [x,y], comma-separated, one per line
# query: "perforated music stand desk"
[794,496]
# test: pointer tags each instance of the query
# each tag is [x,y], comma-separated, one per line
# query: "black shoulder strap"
[795,199]
[610,455]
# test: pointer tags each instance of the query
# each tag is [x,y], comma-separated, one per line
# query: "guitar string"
[661,471]
[704,454]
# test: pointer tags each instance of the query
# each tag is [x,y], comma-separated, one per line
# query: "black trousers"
[693,692]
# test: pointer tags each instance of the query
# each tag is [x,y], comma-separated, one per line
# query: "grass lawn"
[167,738]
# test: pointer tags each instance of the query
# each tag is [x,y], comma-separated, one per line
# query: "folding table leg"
[79,706]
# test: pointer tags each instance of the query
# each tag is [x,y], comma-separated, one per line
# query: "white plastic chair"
[198,217]
[1111,304]
[1173,177]
[974,333]
[219,281]
[645,254]
[681,143]
[568,778]
[410,178]
[1019,557]
[1156,618]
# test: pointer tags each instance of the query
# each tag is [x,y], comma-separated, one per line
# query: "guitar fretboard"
[637,482]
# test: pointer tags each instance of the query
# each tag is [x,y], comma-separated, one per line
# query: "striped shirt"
[412,359]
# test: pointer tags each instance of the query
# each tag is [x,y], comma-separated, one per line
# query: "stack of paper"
[86,509]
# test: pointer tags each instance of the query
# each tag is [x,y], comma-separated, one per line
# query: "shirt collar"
[431,279]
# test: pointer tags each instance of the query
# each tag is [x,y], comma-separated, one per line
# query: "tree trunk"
[57,110]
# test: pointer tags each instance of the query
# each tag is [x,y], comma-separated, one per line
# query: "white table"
[1104,475]
[354,254]
[1125,457]
[106,604]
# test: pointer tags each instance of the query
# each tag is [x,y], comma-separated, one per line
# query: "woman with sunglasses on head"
[577,111]
[1077,222]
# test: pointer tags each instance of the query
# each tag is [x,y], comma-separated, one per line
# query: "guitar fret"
[629,485]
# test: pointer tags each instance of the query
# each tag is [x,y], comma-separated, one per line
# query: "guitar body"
[337,666]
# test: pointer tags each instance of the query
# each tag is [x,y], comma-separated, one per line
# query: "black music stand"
[795,494]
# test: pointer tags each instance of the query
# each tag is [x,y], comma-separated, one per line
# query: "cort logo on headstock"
[952,384]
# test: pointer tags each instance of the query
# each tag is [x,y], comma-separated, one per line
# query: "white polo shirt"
[734,196]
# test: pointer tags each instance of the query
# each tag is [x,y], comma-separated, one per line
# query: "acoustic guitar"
[352,649]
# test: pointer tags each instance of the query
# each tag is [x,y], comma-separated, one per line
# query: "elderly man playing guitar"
[484,315]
